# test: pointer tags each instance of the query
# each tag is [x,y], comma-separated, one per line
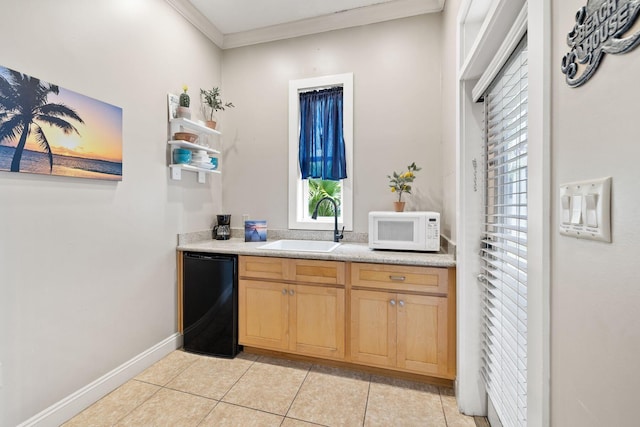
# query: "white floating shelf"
[192,146]
[176,171]
[193,168]
[198,127]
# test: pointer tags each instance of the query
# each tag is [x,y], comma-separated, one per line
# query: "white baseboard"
[73,404]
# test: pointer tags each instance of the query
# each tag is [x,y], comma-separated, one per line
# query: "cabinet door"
[263,314]
[422,334]
[317,321]
[373,327]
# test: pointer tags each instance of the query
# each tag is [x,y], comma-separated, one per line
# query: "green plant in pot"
[183,104]
[211,99]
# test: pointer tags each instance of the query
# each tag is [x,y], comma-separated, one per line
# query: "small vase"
[211,124]
[398,206]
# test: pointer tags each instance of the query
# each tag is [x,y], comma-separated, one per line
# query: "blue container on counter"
[181,155]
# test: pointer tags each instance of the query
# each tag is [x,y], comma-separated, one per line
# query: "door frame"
[469,386]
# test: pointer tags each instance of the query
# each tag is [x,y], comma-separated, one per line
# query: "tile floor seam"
[191,393]
[444,413]
[208,413]
[304,421]
[298,391]
[253,409]
[184,369]
[366,405]
[239,378]
[133,409]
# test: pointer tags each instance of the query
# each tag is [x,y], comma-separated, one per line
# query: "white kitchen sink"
[301,245]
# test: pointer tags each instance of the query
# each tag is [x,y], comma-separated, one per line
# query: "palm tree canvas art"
[46,129]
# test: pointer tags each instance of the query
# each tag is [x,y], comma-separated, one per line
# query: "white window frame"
[477,43]
[298,188]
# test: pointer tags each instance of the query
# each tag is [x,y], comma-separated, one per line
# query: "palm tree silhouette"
[23,106]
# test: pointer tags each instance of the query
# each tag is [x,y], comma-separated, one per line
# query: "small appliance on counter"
[222,231]
[404,231]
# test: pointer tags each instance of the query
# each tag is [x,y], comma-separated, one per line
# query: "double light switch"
[585,209]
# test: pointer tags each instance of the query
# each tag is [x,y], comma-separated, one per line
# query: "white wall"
[595,292]
[449,95]
[87,268]
[397,120]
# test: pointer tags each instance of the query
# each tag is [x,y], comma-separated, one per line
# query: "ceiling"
[235,23]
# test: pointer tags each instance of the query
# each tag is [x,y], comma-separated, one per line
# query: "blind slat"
[504,241]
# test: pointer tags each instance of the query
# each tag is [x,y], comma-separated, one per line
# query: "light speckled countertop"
[347,251]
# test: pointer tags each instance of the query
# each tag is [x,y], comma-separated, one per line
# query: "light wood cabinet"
[394,317]
[373,328]
[284,305]
[317,321]
[400,328]
[263,314]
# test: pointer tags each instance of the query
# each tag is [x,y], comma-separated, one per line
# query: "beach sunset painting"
[47,129]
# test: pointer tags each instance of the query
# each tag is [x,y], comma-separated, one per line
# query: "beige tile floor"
[185,389]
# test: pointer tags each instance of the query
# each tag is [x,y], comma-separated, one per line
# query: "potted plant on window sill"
[211,98]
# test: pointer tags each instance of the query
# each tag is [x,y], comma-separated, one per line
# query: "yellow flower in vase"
[399,183]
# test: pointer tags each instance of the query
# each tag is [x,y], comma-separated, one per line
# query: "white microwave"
[405,231]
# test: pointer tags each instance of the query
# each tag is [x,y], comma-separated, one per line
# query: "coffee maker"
[222,231]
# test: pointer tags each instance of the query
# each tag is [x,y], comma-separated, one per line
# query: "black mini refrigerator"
[210,304]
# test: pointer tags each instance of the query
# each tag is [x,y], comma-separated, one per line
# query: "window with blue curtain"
[322,150]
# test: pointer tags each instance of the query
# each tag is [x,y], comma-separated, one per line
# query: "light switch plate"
[589,209]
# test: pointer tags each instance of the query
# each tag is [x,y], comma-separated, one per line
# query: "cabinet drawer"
[313,271]
[263,267]
[399,277]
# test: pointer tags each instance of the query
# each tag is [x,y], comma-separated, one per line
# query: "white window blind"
[504,243]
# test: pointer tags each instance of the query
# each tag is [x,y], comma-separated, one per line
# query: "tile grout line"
[298,392]
[253,362]
[160,387]
[444,413]
[208,413]
[366,405]
[141,403]
[228,390]
[138,380]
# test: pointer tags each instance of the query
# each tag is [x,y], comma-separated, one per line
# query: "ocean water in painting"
[35,162]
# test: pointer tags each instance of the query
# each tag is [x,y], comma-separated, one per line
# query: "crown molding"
[198,20]
[335,21]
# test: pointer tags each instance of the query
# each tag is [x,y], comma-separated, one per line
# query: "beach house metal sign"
[600,28]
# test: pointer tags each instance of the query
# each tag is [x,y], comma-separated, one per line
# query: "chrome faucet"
[336,235]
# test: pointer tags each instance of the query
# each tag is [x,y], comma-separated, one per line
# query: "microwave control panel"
[433,231]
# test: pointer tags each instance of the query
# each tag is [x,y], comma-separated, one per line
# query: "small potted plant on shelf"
[211,99]
[183,104]
[399,183]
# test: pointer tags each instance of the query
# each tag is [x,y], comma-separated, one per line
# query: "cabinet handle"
[291,292]
[397,278]
[284,292]
[401,303]
[392,302]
